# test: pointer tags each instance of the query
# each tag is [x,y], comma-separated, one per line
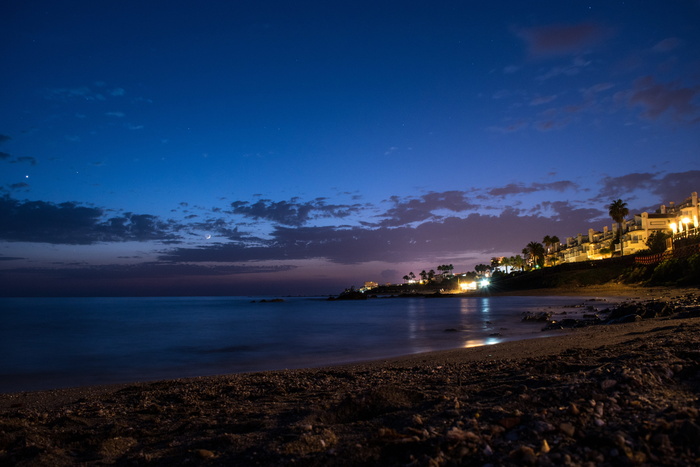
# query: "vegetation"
[618,211]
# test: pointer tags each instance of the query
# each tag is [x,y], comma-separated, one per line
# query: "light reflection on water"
[50,343]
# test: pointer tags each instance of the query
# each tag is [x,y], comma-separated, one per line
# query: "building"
[676,220]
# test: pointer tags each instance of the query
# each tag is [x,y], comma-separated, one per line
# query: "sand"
[622,394]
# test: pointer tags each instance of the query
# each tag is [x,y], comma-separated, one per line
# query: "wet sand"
[622,394]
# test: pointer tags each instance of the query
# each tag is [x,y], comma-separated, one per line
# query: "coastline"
[521,402]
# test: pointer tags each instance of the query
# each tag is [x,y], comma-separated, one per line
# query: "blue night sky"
[301,147]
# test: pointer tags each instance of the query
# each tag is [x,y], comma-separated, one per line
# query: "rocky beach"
[599,394]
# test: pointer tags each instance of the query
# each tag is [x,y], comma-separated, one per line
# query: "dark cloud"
[17,160]
[420,209]
[556,40]
[674,186]
[567,214]
[616,187]
[145,279]
[156,270]
[429,240]
[4,138]
[19,186]
[292,212]
[665,98]
[71,223]
[9,258]
[520,188]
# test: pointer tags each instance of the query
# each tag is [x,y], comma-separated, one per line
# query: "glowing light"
[467,286]
[484,283]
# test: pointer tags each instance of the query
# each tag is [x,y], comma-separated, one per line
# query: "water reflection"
[480,342]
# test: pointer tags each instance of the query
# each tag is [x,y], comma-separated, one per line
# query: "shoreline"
[604,394]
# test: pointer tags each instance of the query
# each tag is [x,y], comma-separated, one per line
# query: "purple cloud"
[292,212]
[419,209]
[556,40]
[665,98]
[519,188]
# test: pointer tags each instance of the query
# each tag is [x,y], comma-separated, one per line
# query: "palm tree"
[618,211]
[518,262]
[431,275]
[535,251]
[549,241]
[423,275]
[506,262]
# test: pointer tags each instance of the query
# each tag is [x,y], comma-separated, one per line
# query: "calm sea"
[48,343]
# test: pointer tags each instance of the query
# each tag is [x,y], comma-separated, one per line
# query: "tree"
[657,242]
[548,242]
[423,275]
[431,274]
[412,276]
[507,262]
[618,211]
[535,251]
[518,262]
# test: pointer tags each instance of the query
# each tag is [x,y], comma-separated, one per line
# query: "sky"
[295,148]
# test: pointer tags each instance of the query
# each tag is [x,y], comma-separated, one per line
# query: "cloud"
[548,125]
[568,214]
[426,242]
[590,92]
[156,270]
[24,159]
[667,45]
[116,114]
[675,186]
[510,128]
[419,209]
[519,188]
[4,138]
[292,213]
[664,98]
[17,160]
[75,93]
[70,223]
[540,100]
[557,40]
[572,69]
[10,258]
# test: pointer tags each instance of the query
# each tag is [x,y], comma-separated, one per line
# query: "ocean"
[50,343]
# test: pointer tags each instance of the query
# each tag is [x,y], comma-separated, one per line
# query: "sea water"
[48,343]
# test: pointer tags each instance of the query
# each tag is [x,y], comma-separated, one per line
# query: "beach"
[615,394]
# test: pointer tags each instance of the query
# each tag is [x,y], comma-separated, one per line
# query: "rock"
[568,429]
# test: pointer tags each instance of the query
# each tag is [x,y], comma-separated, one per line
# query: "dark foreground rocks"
[607,395]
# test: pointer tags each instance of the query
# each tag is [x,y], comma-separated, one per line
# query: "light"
[674,228]
[467,286]
[484,283]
